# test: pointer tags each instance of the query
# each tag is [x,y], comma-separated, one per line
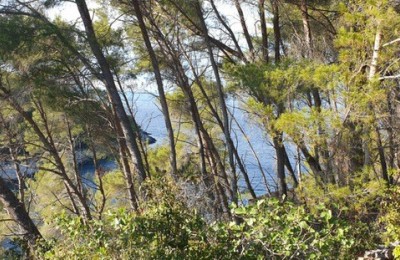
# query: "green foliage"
[278,231]
[164,229]
[15,32]
[390,217]
[159,231]
[396,252]
[360,205]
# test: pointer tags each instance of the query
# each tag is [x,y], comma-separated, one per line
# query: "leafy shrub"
[271,230]
[164,230]
[390,218]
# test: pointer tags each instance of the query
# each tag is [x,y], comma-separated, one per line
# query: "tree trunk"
[221,125]
[78,177]
[277,30]
[160,86]
[280,163]
[108,79]
[126,169]
[312,162]
[20,177]
[277,138]
[98,172]
[306,28]
[290,168]
[264,33]
[18,213]
[244,28]
[382,159]
[223,108]
[228,28]
[372,71]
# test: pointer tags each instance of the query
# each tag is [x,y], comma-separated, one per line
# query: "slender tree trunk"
[204,138]
[206,145]
[280,163]
[264,33]
[355,151]
[76,189]
[160,86]
[244,28]
[306,28]
[99,174]
[391,135]
[290,168]
[134,123]
[126,169]
[78,177]
[229,30]
[370,76]
[382,158]
[247,179]
[20,177]
[372,72]
[239,161]
[116,102]
[312,162]
[322,151]
[375,55]
[278,136]
[75,207]
[277,30]
[208,180]
[223,108]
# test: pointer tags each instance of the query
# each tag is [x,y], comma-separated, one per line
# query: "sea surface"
[253,145]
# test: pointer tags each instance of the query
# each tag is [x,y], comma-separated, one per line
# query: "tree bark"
[280,163]
[222,103]
[126,169]
[18,213]
[277,30]
[264,33]
[312,162]
[278,136]
[116,102]
[306,28]
[244,28]
[290,168]
[372,72]
[160,86]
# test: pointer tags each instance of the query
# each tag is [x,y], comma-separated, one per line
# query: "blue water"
[149,116]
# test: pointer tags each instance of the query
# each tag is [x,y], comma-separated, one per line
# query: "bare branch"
[390,77]
[391,42]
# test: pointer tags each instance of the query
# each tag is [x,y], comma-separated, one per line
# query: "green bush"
[272,230]
[390,218]
[164,230]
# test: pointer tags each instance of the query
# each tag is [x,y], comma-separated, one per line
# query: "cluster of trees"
[320,76]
